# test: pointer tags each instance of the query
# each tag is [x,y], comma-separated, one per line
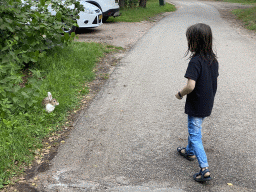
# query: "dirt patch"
[119,34]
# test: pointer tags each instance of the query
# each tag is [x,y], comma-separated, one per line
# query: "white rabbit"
[49,103]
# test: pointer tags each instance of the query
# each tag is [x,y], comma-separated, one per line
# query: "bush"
[27,31]
[66,72]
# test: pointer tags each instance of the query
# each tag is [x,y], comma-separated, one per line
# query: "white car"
[89,18]
[108,7]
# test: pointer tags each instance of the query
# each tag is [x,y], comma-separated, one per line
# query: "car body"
[89,18]
[108,7]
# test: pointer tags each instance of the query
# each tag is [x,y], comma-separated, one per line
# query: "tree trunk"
[143,3]
[121,3]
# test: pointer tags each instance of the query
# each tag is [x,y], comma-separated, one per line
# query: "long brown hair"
[199,38]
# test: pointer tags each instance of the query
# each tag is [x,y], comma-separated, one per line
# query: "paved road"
[127,139]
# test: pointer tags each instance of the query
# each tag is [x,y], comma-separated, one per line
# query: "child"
[202,73]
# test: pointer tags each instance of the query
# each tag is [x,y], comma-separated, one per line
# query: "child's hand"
[178,97]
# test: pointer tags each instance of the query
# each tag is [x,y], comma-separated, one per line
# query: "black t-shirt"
[199,102]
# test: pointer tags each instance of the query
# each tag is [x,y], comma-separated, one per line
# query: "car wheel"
[104,19]
[70,30]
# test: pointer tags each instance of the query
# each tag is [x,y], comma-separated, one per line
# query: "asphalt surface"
[127,139]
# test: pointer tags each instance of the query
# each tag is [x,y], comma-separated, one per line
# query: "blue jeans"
[195,145]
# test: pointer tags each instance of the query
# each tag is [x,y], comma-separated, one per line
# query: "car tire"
[70,30]
[104,19]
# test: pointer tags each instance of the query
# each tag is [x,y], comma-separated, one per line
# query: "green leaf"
[37,15]
[16,89]
[29,34]
[58,15]
[15,99]
[5,59]
[66,36]
[16,37]
[21,104]
[30,103]
[8,20]
[24,94]
[34,21]
[73,34]
[42,2]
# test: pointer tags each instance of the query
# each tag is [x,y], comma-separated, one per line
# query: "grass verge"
[139,14]
[248,16]
[66,72]
[239,1]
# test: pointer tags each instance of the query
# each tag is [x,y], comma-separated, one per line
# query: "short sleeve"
[193,70]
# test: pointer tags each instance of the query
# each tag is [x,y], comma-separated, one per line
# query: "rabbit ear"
[49,96]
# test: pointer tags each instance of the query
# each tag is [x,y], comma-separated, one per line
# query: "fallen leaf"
[37,151]
[46,151]
[230,184]
[62,141]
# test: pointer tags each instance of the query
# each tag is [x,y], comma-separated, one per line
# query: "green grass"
[240,1]
[139,14]
[248,16]
[66,71]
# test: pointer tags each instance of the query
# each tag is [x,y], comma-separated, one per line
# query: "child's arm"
[187,89]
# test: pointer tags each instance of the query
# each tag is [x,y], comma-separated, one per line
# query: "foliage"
[139,14]
[66,71]
[132,3]
[27,31]
[128,3]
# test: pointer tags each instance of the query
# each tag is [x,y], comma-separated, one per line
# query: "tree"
[122,3]
[132,3]
[143,3]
